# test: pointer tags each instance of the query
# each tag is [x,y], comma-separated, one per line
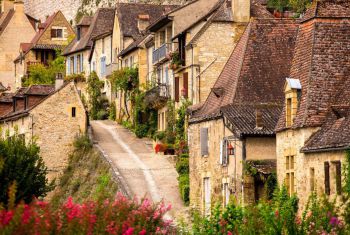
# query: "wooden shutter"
[225,153]
[221,152]
[338,177]
[327,189]
[75,64]
[53,33]
[204,141]
[177,90]
[186,85]
[81,63]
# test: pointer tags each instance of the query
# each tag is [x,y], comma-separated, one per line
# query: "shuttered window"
[338,177]
[177,90]
[327,188]
[204,141]
[186,85]
[223,152]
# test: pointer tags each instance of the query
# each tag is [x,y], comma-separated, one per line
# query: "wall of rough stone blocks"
[289,143]
[53,127]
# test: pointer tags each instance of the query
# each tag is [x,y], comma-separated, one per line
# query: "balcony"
[158,96]
[159,55]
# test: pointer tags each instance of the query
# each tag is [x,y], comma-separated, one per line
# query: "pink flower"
[26,214]
[130,231]
[143,232]
[6,217]
[229,233]
[277,213]
[156,215]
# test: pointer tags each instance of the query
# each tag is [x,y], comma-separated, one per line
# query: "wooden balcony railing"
[160,53]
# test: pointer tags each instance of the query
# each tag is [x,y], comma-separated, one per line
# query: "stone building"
[54,34]
[52,115]
[233,131]
[15,27]
[313,130]
[129,35]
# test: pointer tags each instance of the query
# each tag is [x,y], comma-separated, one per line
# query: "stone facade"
[17,31]
[52,126]
[44,38]
[288,144]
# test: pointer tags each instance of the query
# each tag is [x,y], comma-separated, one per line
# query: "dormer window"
[292,99]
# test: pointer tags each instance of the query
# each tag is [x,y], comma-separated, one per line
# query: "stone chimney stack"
[258,119]
[59,82]
[18,6]
[6,5]
[241,10]
[143,22]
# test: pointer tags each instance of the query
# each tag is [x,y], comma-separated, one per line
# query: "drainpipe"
[244,156]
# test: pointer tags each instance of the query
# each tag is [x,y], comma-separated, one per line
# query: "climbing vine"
[96,101]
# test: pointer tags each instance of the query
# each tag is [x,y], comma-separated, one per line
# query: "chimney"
[143,22]
[241,10]
[59,82]
[258,119]
[6,5]
[18,6]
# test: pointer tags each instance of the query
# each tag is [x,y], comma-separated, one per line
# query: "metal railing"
[160,53]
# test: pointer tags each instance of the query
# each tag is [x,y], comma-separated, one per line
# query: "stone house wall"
[53,127]
[17,31]
[289,143]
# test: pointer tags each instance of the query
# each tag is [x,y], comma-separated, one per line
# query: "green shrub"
[159,135]
[184,155]
[112,112]
[184,186]
[141,130]
[82,143]
[182,166]
[22,170]
[102,115]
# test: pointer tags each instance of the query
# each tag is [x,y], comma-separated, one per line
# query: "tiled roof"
[243,119]
[334,134]
[2,87]
[128,13]
[6,97]
[256,70]
[328,9]
[48,46]
[85,21]
[101,23]
[44,26]
[321,63]
[40,90]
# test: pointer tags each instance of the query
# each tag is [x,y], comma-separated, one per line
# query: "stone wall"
[289,143]
[18,30]
[53,127]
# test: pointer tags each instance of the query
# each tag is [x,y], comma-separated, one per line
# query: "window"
[338,186]
[56,33]
[312,179]
[327,188]
[78,33]
[289,112]
[79,64]
[290,177]
[103,66]
[223,152]
[204,141]
[185,85]
[207,195]
[74,112]
[161,38]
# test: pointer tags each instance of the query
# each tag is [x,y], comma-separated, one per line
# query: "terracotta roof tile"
[256,70]
[101,23]
[243,119]
[40,90]
[6,97]
[334,134]
[328,9]
[321,63]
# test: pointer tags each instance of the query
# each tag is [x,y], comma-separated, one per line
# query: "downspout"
[244,156]
[192,74]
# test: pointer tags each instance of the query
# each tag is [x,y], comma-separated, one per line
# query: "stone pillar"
[241,10]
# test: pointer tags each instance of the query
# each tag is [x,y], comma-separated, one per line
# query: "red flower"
[143,232]
[6,217]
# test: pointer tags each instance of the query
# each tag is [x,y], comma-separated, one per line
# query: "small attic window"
[219,91]
[292,99]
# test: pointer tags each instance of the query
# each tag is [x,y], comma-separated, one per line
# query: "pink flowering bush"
[121,216]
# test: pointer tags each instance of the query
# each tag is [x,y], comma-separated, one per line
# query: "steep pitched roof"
[128,13]
[321,63]
[256,70]
[328,9]
[334,134]
[100,24]
[243,119]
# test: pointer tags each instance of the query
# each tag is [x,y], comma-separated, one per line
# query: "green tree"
[96,101]
[299,6]
[278,5]
[23,167]
[39,74]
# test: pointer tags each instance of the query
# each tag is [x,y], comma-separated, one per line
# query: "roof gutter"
[325,149]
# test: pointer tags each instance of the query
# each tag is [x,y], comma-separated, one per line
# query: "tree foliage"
[23,170]
[40,74]
[96,101]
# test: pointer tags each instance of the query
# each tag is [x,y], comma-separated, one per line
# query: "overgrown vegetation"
[298,6]
[87,176]
[98,105]
[41,74]
[22,171]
